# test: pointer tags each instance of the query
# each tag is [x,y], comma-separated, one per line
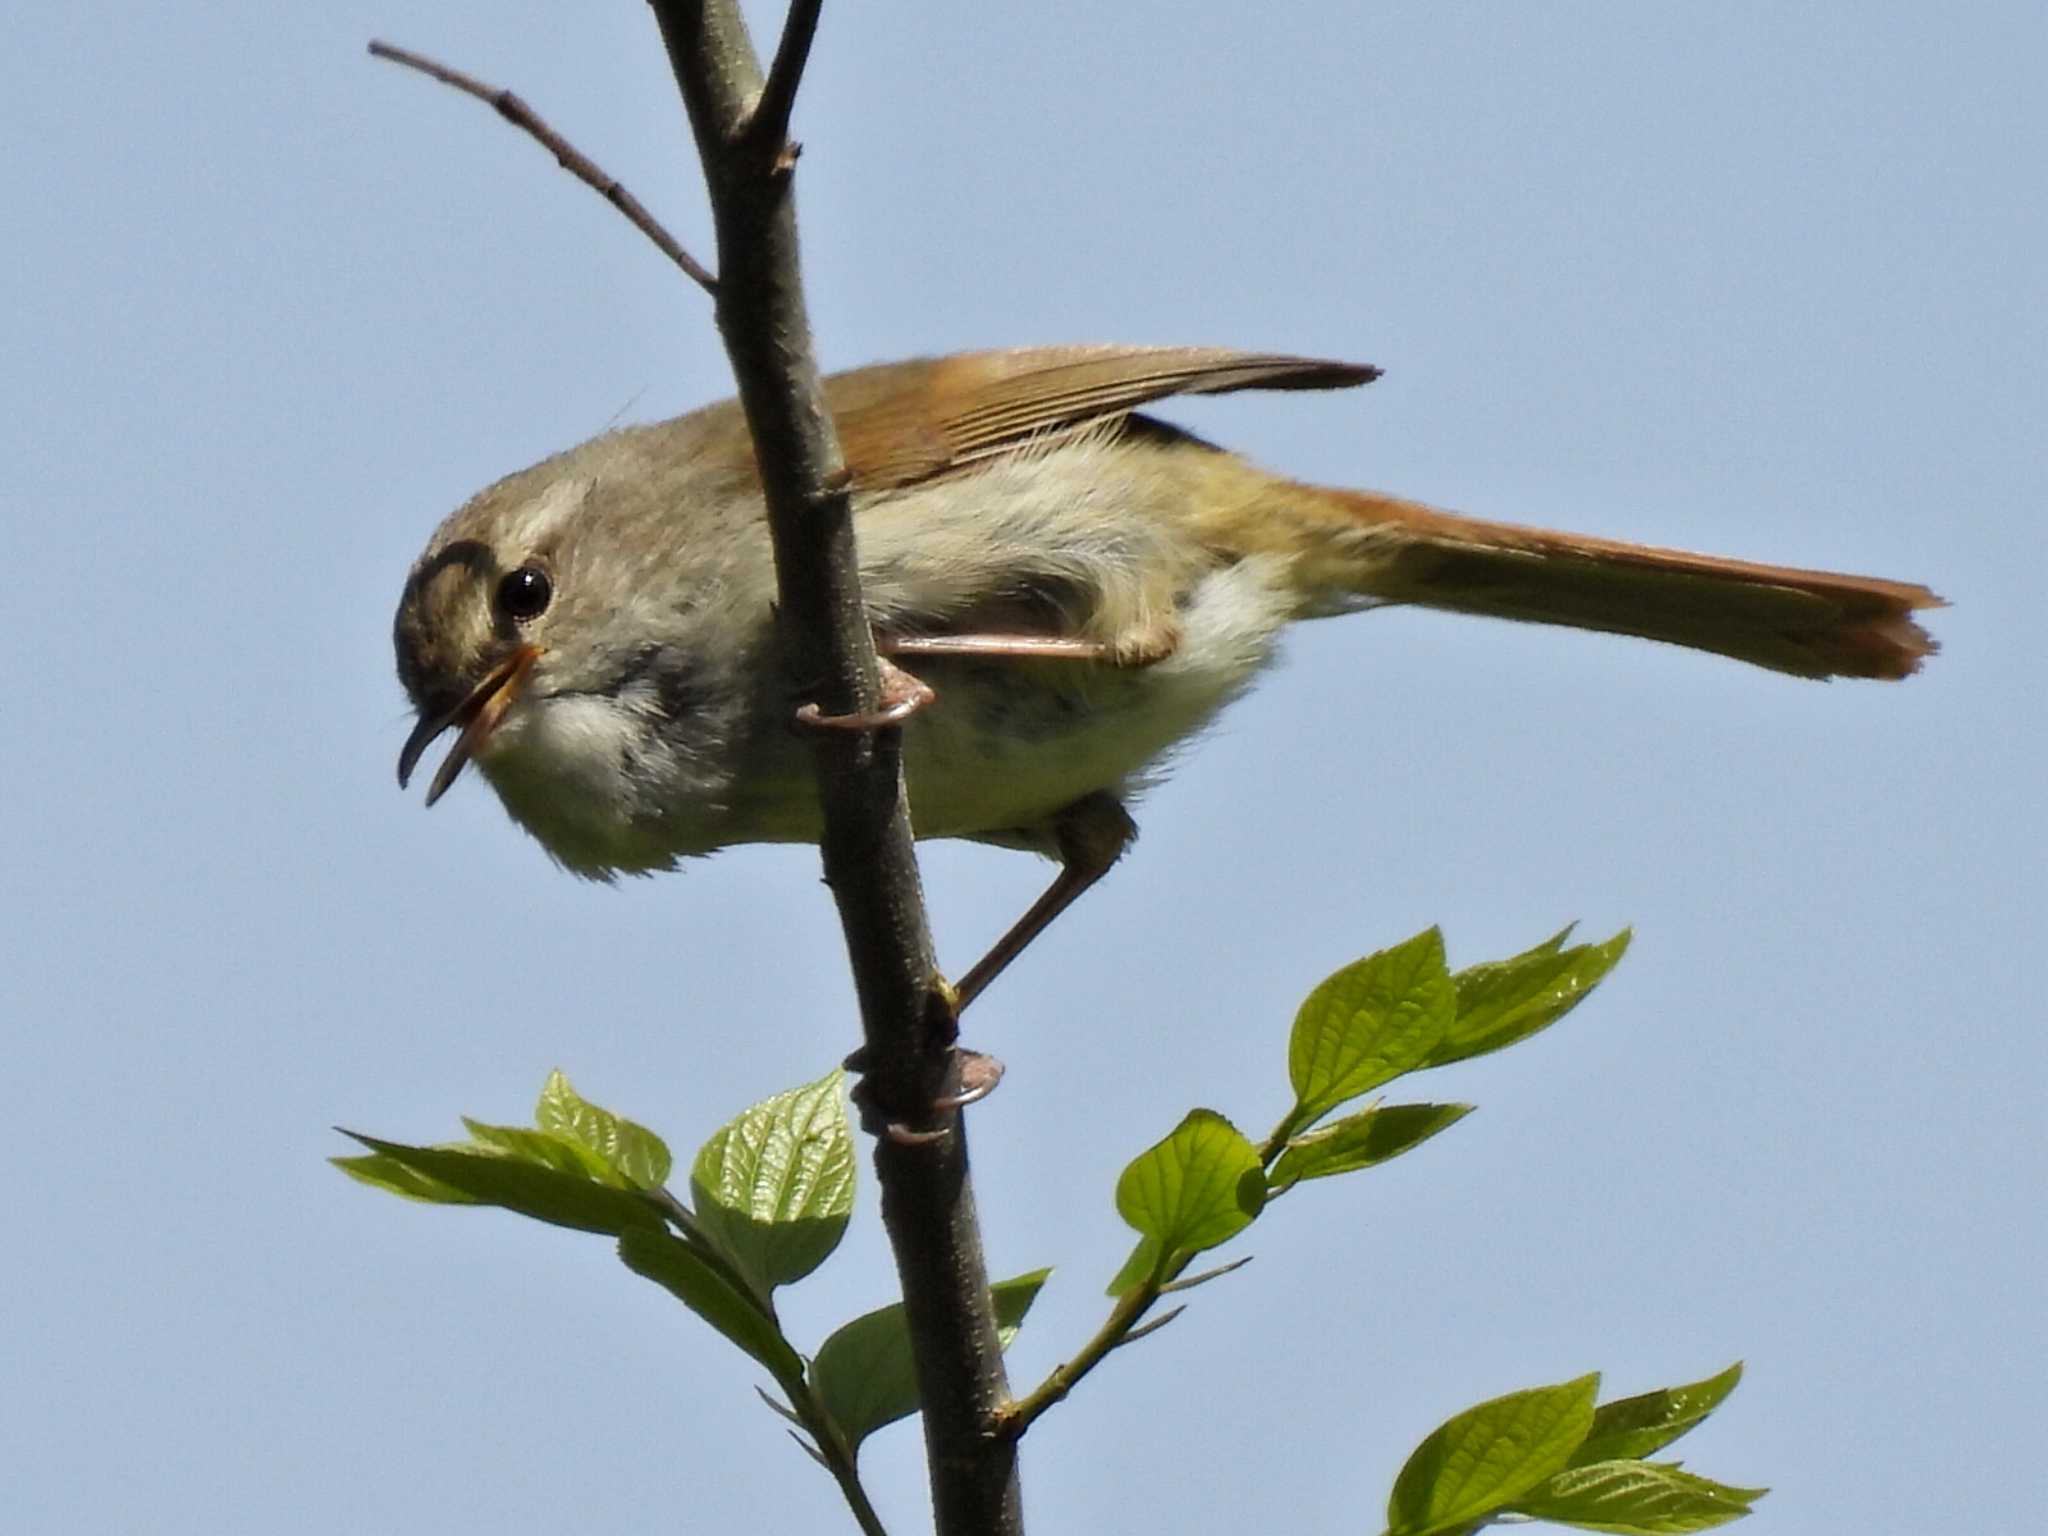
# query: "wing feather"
[903,423]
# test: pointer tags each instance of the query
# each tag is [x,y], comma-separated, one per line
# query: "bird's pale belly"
[1006,745]
[1009,744]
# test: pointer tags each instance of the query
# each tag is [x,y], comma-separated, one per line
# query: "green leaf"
[1369,1023]
[774,1187]
[1361,1140]
[1200,1186]
[1487,1457]
[483,1177]
[1630,1428]
[543,1149]
[1510,1000]
[863,1372]
[679,1269]
[1147,1261]
[630,1150]
[1641,1498]
[381,1172]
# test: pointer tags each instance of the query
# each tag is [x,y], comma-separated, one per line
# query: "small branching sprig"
[1399,1011]
[772,1190]
[770,1195]
[1550,1454]
[1547,1454]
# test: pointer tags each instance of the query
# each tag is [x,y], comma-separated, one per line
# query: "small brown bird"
[1083,586]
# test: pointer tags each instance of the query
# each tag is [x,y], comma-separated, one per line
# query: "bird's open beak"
[478,714]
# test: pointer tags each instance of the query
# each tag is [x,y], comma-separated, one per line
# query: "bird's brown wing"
[903,423]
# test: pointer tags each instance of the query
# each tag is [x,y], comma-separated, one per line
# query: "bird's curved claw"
[903,695]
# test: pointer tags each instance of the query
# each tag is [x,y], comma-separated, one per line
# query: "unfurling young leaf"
[1634,1427]
[1359,1141]
[387,1173]
[543,1149]
[481,1176]
[863,1374]
[774,1187]
[632,1151]
[1369,1023]
[578,1168]
[1636,1498]
[1200,1186]
[1487,1457]
[1510,1000]
[1146,1260]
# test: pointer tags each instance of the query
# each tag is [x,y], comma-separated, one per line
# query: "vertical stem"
[927,1198]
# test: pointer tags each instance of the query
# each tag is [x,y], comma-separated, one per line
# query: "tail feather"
[1808,623]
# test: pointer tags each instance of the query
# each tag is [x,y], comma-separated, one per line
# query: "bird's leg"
[1091,835]
[1137,648]
[904,693]
[1047,647]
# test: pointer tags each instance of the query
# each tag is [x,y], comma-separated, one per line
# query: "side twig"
[1126,1321]
[571,159]
[1116,1330]
[769,121]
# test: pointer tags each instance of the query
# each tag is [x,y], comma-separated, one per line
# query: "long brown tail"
[1810,623]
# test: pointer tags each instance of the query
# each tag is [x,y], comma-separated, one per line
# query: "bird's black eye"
[524,594]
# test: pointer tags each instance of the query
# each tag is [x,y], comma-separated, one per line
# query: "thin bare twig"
[769,121]
[586,170]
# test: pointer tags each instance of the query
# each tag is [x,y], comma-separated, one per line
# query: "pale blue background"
[1752,278]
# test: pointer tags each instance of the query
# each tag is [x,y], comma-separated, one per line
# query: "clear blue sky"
[1757,279]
